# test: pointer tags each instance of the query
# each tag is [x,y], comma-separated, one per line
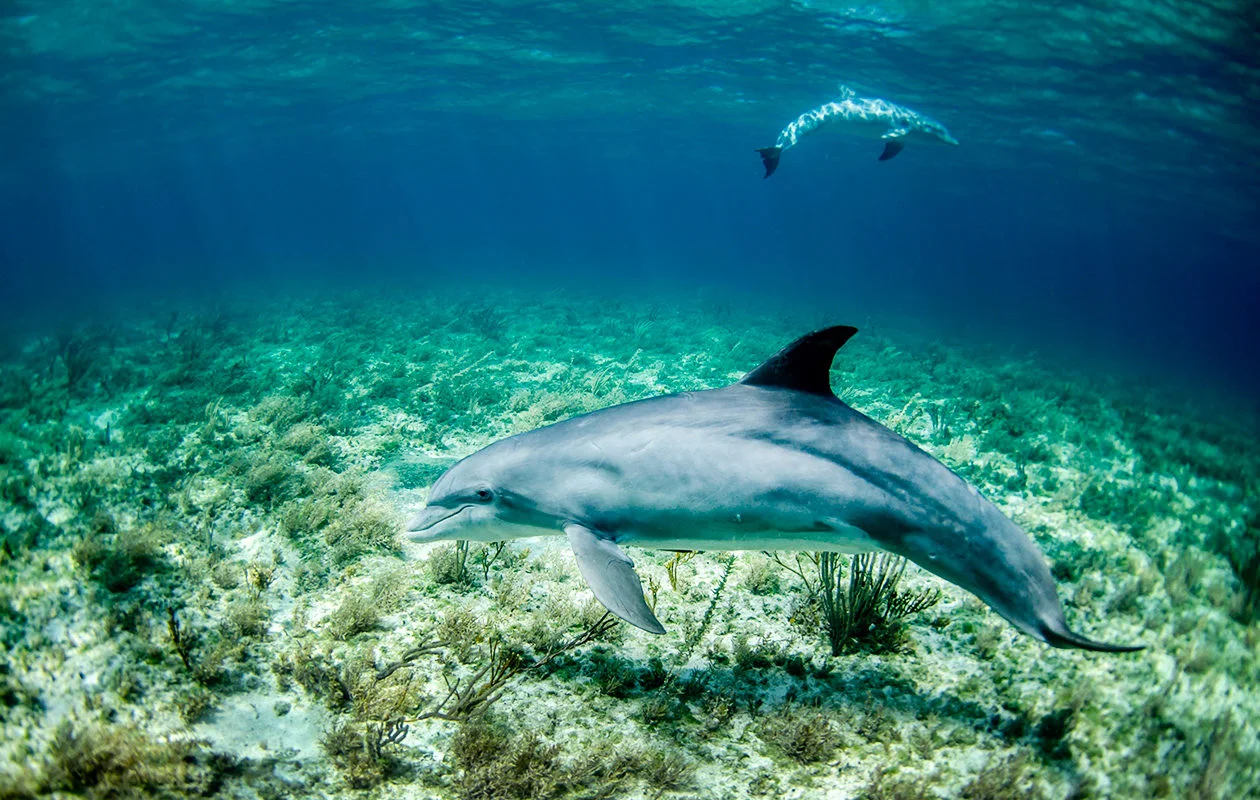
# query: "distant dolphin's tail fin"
[1065,638]
[891,148]
[770,158]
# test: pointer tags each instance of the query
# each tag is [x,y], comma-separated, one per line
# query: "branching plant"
[449,565]
[485,557]
[804,566]
[679,558]
[470,697]
[77,356]
[384,702]
[694,640]
[181,641]
[869,613]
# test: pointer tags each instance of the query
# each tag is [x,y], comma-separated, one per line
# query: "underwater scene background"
[268,268]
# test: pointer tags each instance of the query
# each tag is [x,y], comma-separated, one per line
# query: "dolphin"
[860,116]
[773,462]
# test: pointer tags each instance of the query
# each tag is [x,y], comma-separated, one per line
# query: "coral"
[461,631]
[195,704]
[281,411]
[491,761]
[611,673]
[501,663]
[1220,761]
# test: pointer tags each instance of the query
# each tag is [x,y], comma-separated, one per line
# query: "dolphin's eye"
[484,495]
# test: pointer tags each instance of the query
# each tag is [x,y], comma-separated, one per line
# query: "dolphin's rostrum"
[773,462]
[851,113]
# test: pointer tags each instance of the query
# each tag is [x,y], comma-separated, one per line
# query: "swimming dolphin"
[773,462]
[860,116]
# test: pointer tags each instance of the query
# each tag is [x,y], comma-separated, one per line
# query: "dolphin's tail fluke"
[770,158]
[1065,638]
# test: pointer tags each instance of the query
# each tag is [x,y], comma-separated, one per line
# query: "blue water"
[1102,204]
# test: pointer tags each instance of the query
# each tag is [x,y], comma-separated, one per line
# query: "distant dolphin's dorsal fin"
[804,365]
[611,576]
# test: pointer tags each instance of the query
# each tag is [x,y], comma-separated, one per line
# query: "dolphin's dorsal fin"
[804,365]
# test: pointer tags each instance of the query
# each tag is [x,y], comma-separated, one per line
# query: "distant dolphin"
[860,116]
[774,462]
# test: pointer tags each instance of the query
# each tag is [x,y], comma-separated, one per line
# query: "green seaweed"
[119,562]
[363,752]
[230,484]
[868,614]
[902,787]
[806,737]
[1003,779]
[98,760]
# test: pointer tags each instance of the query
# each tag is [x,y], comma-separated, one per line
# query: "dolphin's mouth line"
[429,524]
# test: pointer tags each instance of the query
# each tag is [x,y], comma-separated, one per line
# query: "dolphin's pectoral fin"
[611,576]
[891,148]
[804,365]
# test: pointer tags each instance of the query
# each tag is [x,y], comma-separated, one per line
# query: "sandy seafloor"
[243,469]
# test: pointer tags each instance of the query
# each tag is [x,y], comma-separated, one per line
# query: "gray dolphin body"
[774,462]
[871,117]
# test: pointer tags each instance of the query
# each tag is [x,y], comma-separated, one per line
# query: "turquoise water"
[270,268]
[1104,188]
